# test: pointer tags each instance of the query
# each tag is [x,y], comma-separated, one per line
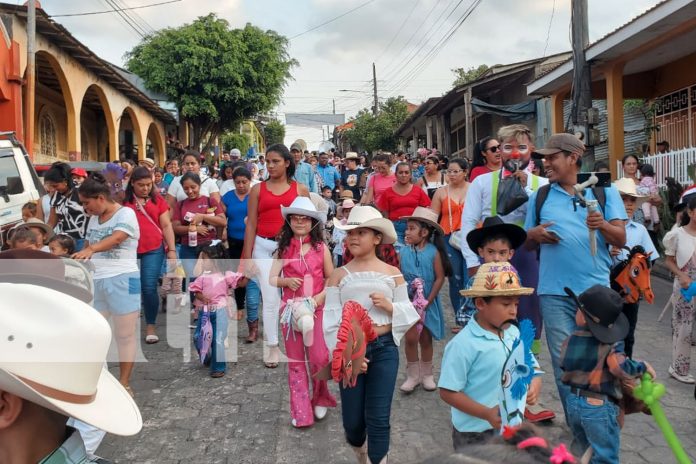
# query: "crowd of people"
[348,255]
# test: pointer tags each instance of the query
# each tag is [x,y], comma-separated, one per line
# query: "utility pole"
[334,105]
[583,116]
[31,78]
[375,109]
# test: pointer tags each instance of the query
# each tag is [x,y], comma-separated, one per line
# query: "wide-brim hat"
[346,195]
[496,279]
[33,223]
[627,186]
[347,203]
[46,270]
[494,225]
[319,203]
[603,310]
[426,216]
[148,161]
[352,155]
[369,217]
[44,359]
[303,206]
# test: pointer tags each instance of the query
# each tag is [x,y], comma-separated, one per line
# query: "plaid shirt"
[72,451]
[589,364]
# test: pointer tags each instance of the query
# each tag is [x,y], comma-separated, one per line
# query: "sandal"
[217,374]
[151,339]
[129,390]
[273,357]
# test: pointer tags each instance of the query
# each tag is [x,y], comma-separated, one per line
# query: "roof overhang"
[413,117]
[663,34]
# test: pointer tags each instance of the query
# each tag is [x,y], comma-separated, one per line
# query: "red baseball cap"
[79,172]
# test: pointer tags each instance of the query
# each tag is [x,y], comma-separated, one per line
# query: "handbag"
[455,239]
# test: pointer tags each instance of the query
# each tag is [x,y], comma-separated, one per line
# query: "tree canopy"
[372,132]
[464,76]
[217,76]
[274,132]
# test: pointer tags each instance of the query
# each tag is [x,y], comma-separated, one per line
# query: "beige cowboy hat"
[36,223]
[352,155]
[53,355]
[346,195]
[149,162]
[496,279]
[369,217]
[627,186]
[426,216]
[303,206]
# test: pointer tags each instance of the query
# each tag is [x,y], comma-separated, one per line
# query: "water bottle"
[192,235]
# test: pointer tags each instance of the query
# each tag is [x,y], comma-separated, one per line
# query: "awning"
[516,112]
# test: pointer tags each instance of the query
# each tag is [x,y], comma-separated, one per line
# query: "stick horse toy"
[631,277]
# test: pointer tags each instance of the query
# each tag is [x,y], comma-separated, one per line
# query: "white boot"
[306,326]
[427,379]
[361,453]
[412,377]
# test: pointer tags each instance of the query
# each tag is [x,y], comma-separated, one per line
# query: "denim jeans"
[594,426]
[559,318]
[150,271]
[400,228]
[367,406]
[188,256]
[253,298]
[459,275]
[219,321]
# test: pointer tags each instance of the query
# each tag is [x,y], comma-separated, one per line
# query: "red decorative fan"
[354,333]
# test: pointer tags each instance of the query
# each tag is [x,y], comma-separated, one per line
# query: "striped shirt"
[71,451]
[589,364]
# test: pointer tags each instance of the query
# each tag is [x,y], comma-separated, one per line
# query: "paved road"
[244,418]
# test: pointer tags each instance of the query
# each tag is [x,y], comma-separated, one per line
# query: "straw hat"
[627,186]
[303,206]
[346,195]
[425,215]
[38,224]
[496,279]
[352,155]
[149,162]
[369,217]
[51,368]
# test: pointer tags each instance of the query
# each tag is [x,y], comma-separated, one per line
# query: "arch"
[112,135]
[136,144]
[155,141]
[48,134]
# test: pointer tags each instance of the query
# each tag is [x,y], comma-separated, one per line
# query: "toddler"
[648,187]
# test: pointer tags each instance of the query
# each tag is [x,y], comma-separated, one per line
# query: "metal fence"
[671,164]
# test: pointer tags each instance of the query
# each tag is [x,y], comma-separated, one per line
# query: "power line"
[403,23]
[90,13]
[331,20]
[135,16]
[548,32]
[125,19]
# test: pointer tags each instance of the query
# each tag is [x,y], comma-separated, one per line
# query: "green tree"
[217,76]
[274,132]
[230,140]
[464,76]
[372,132]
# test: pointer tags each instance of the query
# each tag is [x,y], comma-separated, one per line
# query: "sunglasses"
[493,149]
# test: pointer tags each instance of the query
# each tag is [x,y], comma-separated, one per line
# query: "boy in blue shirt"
[470,377]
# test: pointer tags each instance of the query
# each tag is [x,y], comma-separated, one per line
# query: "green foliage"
[230,140]
[372,132]
[464,76]
[217,76]
[274,132]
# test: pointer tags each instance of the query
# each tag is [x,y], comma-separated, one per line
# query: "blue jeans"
[558,313]
[188,256]
[594,426]
[253,298]
[400,228]
[459,275]
[150,271]
[219,321]
[367,406]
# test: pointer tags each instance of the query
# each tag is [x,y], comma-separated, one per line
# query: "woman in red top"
[486,157]
[152,212]
[401,199]
[264,222]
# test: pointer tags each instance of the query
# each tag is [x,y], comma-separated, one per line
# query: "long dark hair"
[60,172]
[283,151]
[217,254]
[691,205]
[285,236]
[140,173]
[191,176]
[480,147]
[94,186]
[435,237]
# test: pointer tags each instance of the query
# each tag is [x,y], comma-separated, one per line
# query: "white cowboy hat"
[53,354]
[369,217]
[303,206]
[426,216]
[319,203]
[627,186]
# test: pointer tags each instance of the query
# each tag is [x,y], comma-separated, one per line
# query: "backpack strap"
[542,194]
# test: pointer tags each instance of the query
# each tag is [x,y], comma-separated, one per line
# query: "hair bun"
[98,177]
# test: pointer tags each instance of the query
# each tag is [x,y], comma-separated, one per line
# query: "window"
[47,135]
[10,179]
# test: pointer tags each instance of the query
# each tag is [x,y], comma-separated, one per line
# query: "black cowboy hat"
[602,308]
[496,226]
[36,267]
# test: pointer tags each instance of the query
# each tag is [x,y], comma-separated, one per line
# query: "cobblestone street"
[244,417]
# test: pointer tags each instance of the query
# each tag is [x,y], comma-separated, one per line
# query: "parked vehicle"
[19,182]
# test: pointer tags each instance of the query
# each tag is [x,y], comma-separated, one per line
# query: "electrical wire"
[134,17]
[90,13]
[398,31]
[126,20]
[314,28]
[548,32]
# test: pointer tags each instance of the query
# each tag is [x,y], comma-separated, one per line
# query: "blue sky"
[339,56]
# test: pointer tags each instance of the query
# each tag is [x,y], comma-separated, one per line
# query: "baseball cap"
[562,142]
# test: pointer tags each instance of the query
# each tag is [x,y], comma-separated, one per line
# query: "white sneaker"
[320,412]
[688,378]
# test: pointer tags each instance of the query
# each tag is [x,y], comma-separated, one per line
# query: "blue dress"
[419,263]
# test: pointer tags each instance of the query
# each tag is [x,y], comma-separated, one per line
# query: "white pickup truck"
[19,183]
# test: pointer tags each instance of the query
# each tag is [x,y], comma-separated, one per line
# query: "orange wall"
[10,90]
[675,75]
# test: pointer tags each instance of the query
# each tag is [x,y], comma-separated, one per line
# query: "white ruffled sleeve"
[333,310]
[670,242]
[404,315]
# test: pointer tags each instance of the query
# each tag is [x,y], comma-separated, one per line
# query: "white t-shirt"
[228,186]
[208,186]
[123,258]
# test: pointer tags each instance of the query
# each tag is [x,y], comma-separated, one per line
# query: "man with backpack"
[558,222]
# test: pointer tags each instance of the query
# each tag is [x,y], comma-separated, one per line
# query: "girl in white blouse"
[381,290]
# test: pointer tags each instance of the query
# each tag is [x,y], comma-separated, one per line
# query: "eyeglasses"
[523,149]
[453,172]
[493,149]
